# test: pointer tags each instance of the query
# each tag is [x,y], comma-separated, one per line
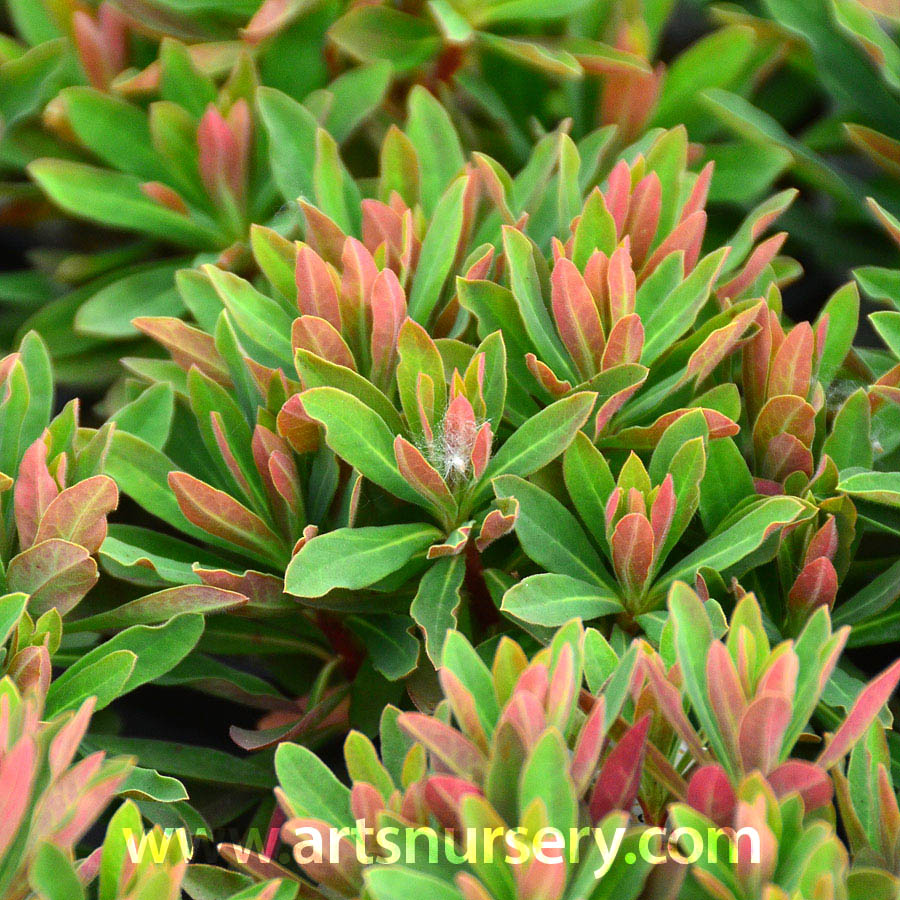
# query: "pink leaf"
[316,291]
[457,753]
[632,552]
[792,366]
[78,514]
[625,342]
[34,491]
[622,285]
[867,706]
[388,313]
[576,316]
[761,730]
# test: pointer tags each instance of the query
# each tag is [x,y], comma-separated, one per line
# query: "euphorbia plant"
[775,851]
[753,702]
[507,748]
[438,452]
[624,305]
[49,800]
[867,803]
[636,521]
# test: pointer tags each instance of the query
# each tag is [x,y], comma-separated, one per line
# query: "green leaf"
[874,598]
[359,436]
[436,602]
[146,291]
[125,822]
[725,551]
[693,638]
[551,535]
[149,417]
[104,678]
[677,312]
[315,371]
[392,650]
[842,310]
[850,443]
[12,606]
[526,288]
[539,440]
[116,131]
[356,94]
[336,193]
[370,33]
[292,141]
[355,558]
[310,787]
[147,784]
[115,199]
[552,600]
[546,778]
[183,761]
[396,883]
[717,60]
[726,483]
[53,876]
[438,251]
[157,649]
[259,317]
[589,483]
[161,607]
[878,487]
[460,658]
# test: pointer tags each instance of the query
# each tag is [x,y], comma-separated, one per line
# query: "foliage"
[459,405]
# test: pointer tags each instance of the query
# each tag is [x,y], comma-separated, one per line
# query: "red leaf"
[785,414]
[719,345]
[620,777]
[322,234]
[421,475]
[643,216]
[807,779]
[446,745]
[589,747]
[726,696]
[686,236]
[388,312]
[545,376]
[759,259]
[359,274]
[56,574]
[815,586]
[188,346]
[662,512]
[222,157]
[621,282]
[219,514]
[710,792]
[297,428]
[443,794]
